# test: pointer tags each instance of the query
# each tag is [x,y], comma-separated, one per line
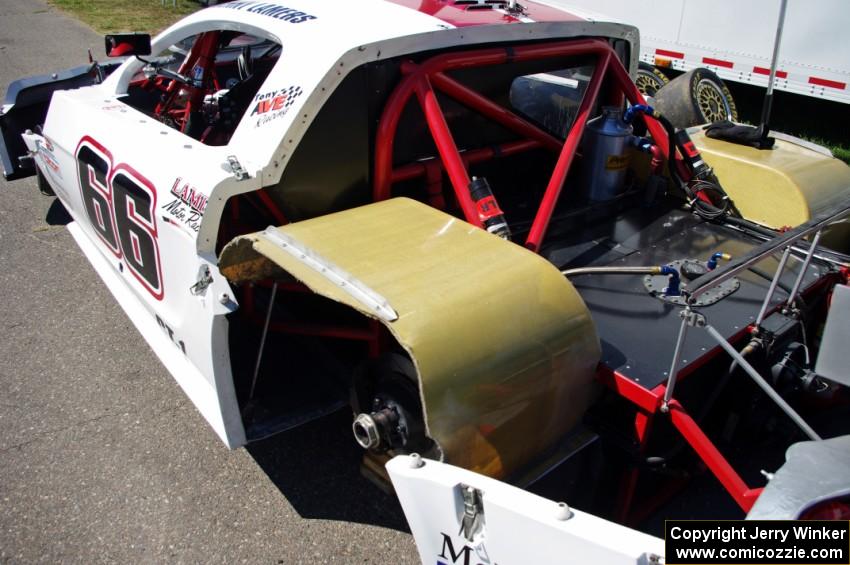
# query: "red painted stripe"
[718,62]
[764,71]
[674,54]
[460,15]
[829,83]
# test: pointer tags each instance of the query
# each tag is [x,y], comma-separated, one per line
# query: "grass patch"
[840,151]
[109,16]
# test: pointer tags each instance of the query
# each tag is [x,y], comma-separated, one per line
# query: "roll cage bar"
[423,80]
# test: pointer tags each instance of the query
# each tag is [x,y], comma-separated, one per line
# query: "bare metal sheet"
[832,358]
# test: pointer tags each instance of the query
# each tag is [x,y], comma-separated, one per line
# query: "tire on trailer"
[649,79]
[694,98]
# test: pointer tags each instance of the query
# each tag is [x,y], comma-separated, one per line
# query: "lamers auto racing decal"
[187,209]
[275,11]
[272,105]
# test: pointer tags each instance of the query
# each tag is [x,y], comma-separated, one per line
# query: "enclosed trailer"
[735,39]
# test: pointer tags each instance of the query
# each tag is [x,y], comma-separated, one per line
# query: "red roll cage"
[424,79]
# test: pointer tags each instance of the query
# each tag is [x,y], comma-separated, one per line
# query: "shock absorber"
[488,209]
[693,159]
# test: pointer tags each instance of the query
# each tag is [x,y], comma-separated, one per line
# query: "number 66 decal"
[120,205]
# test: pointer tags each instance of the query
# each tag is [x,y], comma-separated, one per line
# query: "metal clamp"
[204,281]
[693,319]
[361,292]
[236,168]
[473,511]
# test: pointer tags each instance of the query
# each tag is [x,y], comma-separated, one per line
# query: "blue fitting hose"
[640,143]
[630,112]
[673,282]
[711,264]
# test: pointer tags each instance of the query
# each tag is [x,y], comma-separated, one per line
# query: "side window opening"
[551,99]
[204,84]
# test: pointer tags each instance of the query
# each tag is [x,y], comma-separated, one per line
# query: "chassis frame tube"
[713,278]
[744,496]
[764,385]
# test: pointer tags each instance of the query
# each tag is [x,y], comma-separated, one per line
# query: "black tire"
[694,98]
[649,79]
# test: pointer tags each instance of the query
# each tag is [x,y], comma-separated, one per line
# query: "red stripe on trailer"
[666,53]
[766,72]
[718,62]
[829,83]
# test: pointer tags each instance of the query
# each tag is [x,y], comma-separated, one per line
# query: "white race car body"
[187,183]
[513,525]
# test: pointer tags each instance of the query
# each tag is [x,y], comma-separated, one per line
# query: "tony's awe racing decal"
[275,11]
[120,204]
[272,105]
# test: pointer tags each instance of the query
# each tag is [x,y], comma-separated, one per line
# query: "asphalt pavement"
[102,457]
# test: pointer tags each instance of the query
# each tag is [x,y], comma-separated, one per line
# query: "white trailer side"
[735,39]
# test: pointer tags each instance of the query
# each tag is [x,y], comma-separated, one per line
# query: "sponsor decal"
[170,333]
[275,11]
[180,215]
[617,162]
[189,195]
[464,554]
[186,210]
[44,150]
[272,105]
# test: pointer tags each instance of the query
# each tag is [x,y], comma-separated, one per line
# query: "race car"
[461,219]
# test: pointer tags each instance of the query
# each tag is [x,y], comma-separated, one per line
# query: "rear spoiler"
[25,108]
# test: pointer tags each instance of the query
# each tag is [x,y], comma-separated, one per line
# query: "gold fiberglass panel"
[783,186]
[504,347]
